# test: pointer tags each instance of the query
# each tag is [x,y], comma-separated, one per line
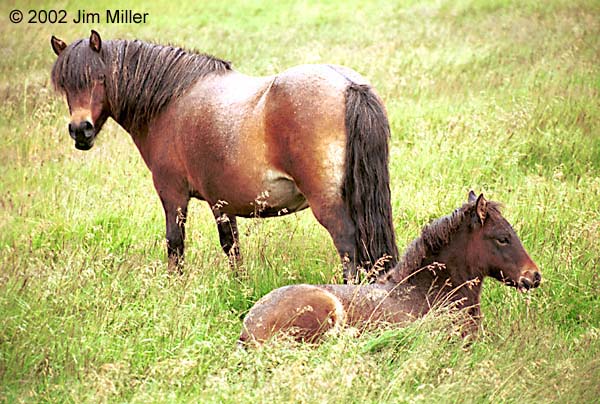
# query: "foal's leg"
[228,236]
[175,214]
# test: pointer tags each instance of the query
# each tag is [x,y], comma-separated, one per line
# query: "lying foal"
[445,265]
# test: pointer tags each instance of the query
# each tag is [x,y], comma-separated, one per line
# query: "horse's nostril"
[87,125]
[72,131]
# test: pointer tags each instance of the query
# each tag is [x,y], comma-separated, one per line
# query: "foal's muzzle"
[530,279]
[83,133]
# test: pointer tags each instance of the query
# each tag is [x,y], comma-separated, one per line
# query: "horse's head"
[496,249]
[79,72]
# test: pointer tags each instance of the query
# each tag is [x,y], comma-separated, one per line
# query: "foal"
[445,265]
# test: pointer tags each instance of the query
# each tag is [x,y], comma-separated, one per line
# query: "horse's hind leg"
[228,236]
[335,218]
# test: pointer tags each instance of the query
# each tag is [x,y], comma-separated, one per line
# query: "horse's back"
[319,74]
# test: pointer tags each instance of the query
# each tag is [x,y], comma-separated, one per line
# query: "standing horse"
[445,265]
[313,135]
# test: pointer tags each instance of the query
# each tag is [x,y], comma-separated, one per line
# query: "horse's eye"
[503,240]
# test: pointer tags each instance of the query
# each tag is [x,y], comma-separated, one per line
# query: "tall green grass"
[497,96]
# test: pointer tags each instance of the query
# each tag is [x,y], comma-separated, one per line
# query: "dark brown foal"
[446,265]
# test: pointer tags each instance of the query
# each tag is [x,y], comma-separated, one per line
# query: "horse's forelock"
[76,67]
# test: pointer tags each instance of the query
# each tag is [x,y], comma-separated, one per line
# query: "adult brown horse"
[314,135]
[445,265]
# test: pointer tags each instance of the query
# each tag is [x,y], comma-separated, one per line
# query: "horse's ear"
[95,41]
[481,208]
[472,197]
[57,45]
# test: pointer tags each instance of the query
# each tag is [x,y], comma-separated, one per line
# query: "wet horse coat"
[446,265]
[314,135]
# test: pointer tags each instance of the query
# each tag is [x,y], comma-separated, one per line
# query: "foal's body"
[445,266]
[306,312]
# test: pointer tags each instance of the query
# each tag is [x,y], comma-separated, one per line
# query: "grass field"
[498,96]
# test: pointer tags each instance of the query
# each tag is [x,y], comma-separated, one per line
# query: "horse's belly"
[285,198]
[280,197]
[277,195]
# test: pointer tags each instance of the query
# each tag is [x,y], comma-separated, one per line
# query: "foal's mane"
[140,78]
[433,238]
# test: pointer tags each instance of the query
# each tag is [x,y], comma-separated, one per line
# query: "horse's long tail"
[366,189]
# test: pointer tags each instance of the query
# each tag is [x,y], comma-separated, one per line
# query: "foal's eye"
[504,240]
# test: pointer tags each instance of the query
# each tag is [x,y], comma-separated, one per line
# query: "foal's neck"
[447,277]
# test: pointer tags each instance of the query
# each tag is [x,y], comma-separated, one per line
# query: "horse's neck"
[124,121]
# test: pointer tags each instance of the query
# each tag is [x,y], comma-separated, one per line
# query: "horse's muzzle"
[83,133]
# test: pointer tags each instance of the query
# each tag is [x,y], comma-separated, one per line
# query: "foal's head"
[494,248]
[79,72]
[473,242]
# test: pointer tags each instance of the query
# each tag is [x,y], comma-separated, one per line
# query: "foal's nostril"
[537,278]
[525,283]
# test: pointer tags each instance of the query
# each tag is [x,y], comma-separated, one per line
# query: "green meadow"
[498,96]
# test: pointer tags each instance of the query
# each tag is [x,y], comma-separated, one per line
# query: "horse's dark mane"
[433,238]
[140,78]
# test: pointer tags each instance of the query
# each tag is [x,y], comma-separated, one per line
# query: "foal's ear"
[472,197]
[95,41]
[57,45]
[481,208]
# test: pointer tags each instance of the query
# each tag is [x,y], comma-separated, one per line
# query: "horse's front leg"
[175,214]
[228,237]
